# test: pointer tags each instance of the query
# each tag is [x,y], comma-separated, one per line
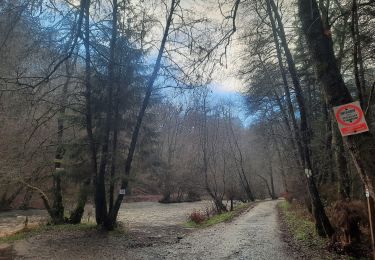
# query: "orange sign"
[350,119]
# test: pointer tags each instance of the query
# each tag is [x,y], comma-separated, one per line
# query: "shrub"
[197,217]
[347,217]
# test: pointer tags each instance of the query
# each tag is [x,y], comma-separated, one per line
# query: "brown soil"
[94,244]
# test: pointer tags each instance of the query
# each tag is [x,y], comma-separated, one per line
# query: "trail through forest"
[253,235]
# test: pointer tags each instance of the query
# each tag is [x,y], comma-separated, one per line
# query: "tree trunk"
[112,216]
[114,150]
[273,195]
[220,207]
[329,173]
[57,206]
[321,49]
[100,190]
[282,168]
[270,168]
[88,112]
[357,56]
[57,209]
[77,214]
[323,225]
[267,185]
[340,162]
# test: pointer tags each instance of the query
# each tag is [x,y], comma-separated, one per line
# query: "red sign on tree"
[350,119]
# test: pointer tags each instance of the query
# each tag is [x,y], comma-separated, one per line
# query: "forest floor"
[298,232]
[156,231]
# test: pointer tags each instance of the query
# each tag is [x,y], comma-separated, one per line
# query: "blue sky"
[220,93]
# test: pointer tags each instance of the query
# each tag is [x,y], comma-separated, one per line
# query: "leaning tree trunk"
[322,222]
[273,194]
[320,46]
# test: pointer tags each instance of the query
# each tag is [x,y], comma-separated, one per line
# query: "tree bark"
[57,206]
[320,47]
[78,212]
[282,168]
[341,165]
[114,150]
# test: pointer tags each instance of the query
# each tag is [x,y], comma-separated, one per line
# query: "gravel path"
[253,235]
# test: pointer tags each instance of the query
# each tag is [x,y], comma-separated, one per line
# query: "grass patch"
[29,232]
[300,225]
[223,217]
[301,228]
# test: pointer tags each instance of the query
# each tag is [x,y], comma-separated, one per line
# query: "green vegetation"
[223,217]
[301,227]
[29,232]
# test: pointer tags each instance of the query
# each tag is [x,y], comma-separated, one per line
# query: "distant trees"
[97,80]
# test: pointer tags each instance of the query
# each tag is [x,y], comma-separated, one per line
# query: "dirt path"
[254,235]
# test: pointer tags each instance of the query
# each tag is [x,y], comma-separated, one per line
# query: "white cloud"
[227,84]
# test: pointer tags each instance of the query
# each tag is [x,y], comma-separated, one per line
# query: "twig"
[42,195]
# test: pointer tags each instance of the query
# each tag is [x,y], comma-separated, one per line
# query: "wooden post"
[371,215]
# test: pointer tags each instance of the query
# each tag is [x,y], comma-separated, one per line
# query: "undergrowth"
[218,218]
[301,227]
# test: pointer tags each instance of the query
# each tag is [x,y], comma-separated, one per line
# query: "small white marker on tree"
[122,191]
[308,173]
